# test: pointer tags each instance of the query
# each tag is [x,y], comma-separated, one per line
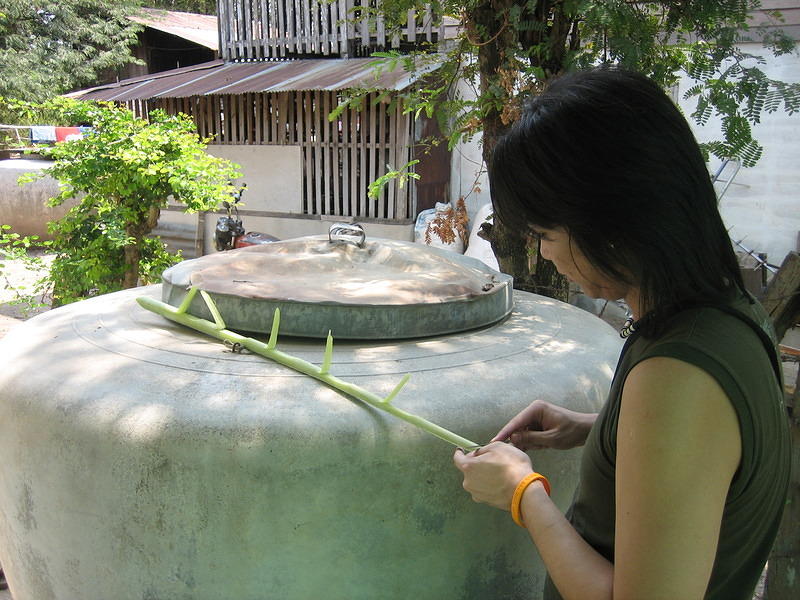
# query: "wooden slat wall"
[258,29]
[340,158]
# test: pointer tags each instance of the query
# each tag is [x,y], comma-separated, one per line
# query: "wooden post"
[292,32]
[317,152]
[427,24]
[784,560]
[782,302]
[259,100]
[782,297]
[266,27]
[380,28]
[200,237]
[247,30]
[411,30]
[281,32]
[323,28]
[374,145]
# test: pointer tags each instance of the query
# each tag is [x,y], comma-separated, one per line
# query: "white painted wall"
[273,175]
[468,177]
[762,206]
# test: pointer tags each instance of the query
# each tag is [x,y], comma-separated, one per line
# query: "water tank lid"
[378,288]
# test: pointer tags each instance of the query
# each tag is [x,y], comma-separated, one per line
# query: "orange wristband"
[516,499]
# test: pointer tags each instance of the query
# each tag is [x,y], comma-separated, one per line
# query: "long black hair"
[607,155]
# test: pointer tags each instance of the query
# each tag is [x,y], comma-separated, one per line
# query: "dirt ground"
[15,273]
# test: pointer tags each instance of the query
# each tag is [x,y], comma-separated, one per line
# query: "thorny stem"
[326,361]
[268,350]
[212,306]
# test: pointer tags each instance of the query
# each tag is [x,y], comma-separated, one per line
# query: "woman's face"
[557,247]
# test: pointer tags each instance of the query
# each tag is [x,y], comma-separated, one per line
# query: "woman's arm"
[678,446]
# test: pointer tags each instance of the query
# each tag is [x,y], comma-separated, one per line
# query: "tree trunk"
[132,256]
[133,251]
[514,253]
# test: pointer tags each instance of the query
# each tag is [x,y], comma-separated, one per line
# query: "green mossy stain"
[493,576]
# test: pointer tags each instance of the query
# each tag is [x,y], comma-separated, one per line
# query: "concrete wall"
[273,175]
[762,205]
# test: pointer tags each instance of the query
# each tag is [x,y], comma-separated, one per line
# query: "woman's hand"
[544,425]
[491,473]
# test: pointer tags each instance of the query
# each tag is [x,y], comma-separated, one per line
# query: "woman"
[685,469]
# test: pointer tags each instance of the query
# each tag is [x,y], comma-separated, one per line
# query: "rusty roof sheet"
[200,29]
[218,77]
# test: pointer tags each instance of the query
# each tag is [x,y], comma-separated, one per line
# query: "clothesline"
[43,134]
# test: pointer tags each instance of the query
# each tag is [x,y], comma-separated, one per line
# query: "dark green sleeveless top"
[731,350]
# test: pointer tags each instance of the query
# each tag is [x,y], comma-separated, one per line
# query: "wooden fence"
[340,158]
[258,29]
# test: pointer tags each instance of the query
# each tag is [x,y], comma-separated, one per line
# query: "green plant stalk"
[217,330]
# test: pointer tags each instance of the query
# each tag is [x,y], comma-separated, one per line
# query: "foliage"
[14,247]
[203,7]
[91,258]
[402,175]
[49,47]
[123,173]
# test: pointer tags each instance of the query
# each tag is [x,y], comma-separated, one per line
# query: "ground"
[14,274]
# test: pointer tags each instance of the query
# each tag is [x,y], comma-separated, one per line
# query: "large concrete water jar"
[24,207]
[140,460]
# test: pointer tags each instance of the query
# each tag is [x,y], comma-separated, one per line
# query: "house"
[284,66]
[170,40]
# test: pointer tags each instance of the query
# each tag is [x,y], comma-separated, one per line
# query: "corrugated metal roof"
[218,77]
[200,29]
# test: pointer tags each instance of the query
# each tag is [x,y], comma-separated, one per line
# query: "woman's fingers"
[530,440]
[492,472]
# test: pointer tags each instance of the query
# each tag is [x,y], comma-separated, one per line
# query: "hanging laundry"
[41,134]
[65,134]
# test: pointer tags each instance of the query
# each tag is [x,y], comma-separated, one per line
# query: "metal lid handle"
[351,233]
